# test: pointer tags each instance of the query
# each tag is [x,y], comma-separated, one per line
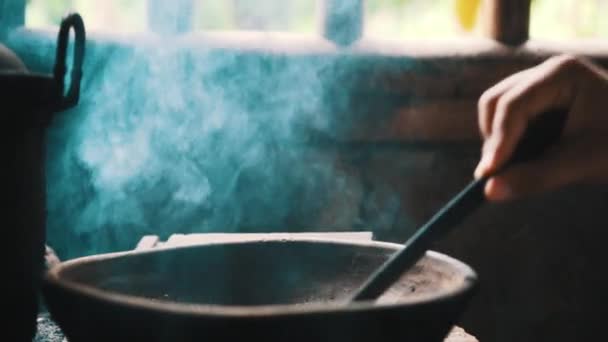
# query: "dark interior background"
[321,140]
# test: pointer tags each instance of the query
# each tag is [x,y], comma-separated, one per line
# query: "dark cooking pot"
[29,101]
[269,289]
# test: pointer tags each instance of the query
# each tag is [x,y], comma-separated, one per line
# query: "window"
[569,19]
[107,15]
[392,19]
[297,16]
[420,19]
[122,16]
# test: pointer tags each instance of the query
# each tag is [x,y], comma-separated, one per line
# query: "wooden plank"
[147,242]
[507,21]
[385,56]
[341,21]
[193,239]
[396,93]
[439,120]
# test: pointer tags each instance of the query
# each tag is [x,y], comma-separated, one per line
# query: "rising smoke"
[173,139]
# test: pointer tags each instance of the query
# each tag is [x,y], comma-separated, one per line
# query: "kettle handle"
[71,21]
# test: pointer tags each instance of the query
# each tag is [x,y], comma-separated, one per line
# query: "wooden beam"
[433,121]
[342,20]
[393,92]
[507,21]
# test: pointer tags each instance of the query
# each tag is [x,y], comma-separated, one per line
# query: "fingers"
[526,96]
[570,164]
[525,180]
[487,101]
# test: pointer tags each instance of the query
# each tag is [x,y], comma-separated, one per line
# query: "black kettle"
[29,102]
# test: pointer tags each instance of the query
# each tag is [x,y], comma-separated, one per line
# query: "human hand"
[573,83]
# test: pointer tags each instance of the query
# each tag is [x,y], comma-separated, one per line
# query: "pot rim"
[53,278]
[31,91]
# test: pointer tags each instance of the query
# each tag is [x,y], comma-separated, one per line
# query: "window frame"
[445,107]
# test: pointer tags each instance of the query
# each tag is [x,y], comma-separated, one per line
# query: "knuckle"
[505,105]
[566,62]
[506,109]
[485,112]
[568,59]
[485,101]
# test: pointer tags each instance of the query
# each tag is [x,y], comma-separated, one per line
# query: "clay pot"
[272,289]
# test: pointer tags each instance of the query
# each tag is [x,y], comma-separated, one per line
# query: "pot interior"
[262,273]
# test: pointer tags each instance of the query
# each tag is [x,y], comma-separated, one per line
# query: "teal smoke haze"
[167,140]
[180,138]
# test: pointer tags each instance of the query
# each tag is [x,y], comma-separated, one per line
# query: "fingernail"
[499,190]
[478,171]
[487,154]
[482,166]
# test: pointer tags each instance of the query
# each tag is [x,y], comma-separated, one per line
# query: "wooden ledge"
[396,90]
[287,43]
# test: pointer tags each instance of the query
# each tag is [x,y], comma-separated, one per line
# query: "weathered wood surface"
[342,21]
[507,21]
[392,91]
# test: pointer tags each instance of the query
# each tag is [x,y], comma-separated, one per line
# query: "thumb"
[567,165]
[521,181]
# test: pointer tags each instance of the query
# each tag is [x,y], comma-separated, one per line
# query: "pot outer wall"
[86,319]
[24,117]
[23,212]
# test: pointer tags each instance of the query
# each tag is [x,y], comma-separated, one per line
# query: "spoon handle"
[540,135]
[467,201]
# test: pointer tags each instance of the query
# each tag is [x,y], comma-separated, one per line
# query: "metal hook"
[71,21]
